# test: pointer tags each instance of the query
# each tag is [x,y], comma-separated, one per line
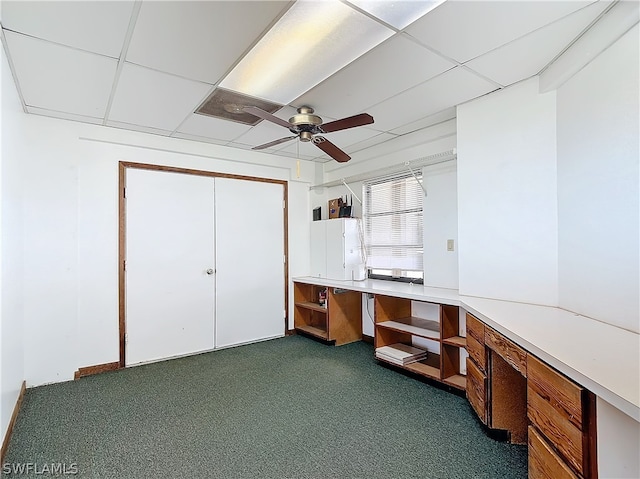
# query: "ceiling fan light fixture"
[305,116]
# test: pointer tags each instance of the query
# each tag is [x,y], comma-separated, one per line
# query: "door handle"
[210,271]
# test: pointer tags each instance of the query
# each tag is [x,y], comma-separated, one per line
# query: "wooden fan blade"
[265,115]
[330,149]
[349,122]
[274,143]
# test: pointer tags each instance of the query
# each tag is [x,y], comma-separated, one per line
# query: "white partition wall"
[598,187]
[507,196]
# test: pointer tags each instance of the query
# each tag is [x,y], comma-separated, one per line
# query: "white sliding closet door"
[170,247]
[249,260]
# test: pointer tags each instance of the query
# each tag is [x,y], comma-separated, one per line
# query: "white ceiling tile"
[441,116]
[95,26]
[200,40]
[214,128]
[451,88]
[301,157]
[61,78]
[464,30]
[346,138]
[266,131]
[299,149]
[144,129]
[155,99]
[187,136]
[369,142]
[63,116]
[528,55]
[382,73]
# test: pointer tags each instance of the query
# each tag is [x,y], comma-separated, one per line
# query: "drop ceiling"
[148,65]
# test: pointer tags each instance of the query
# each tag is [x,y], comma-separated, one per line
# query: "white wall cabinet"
[337,249]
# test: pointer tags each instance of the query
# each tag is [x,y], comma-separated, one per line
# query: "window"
[393,227]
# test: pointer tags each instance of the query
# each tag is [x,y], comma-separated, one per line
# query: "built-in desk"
[601,358]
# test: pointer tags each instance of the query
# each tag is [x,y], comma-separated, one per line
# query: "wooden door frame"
[122,243]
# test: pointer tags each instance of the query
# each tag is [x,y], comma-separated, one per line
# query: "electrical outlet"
[449,245]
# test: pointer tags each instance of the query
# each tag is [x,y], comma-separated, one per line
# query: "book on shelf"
[401,354]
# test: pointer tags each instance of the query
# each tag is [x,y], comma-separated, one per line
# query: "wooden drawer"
[561,433]
[508,350]
[477,390]
[475,342]
[562,394]
[544,463]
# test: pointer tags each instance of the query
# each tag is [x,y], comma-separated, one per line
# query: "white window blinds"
[393,223]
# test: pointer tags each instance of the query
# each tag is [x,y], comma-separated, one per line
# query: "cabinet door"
[318,249]
[250,261]
[169,242]
[335,249]
[477,390]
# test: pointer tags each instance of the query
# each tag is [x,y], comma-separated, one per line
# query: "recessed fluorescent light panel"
[397,14]
[310,42]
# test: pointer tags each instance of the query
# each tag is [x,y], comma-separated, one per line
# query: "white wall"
[70,235]
[618,443]
[440,216]
[598,187]
[11,257]
[507,200]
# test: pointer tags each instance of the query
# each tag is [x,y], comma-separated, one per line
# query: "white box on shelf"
[336,249]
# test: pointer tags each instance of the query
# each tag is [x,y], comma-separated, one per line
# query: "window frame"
[395,274]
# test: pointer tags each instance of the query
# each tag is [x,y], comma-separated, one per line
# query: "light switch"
[449,245]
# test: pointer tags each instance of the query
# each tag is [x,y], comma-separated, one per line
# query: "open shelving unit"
[339,319]
[394,324]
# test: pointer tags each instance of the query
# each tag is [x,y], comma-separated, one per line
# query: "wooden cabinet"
[394,325]
[562,413]
[544,463]
[477,382]
[339,319]
[477,390]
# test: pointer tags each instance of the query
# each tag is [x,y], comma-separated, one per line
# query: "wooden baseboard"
[12,421]
[97,369]
[290,332]
[367,339]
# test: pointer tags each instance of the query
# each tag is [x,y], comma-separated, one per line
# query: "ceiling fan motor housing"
[305,123]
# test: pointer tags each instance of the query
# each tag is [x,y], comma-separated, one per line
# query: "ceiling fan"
[307,126]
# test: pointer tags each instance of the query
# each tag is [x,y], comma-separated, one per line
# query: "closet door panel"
[249,238]
[169,242]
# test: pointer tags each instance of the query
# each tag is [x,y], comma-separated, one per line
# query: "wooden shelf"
[429,367]
[459,341]
[458,380]
[313,331]
[414,326]
[313,306]
[340,321]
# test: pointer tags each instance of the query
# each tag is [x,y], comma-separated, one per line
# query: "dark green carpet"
[285,408]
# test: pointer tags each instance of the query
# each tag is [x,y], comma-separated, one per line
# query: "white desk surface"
[603,358]
[390,288]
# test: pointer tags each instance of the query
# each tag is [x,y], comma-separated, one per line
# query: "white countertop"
[390,288]
[603,358]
